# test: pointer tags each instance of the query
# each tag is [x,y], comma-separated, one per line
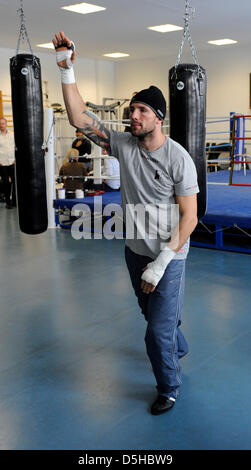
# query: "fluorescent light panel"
[47,45]
[222,42]
[116,55]
[165,28]
[83,8]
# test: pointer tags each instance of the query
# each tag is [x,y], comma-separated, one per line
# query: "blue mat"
[107,198]
[229,205]
[222,176]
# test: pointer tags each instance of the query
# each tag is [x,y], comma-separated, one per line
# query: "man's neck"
[4,132]
[151,142]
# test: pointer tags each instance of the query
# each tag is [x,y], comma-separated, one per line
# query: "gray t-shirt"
[152,179]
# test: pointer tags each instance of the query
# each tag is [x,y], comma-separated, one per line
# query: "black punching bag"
[27,106]
[187,105]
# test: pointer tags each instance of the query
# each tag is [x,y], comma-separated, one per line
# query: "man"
[154,169]
[73,168]
[7,159]
[83,146]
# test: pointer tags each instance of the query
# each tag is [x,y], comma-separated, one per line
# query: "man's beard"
[143,134]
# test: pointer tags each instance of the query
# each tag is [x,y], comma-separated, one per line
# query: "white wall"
[95,81]
[227,68]
[95,78]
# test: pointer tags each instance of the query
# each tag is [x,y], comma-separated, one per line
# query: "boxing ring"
[227,222]
[224,227]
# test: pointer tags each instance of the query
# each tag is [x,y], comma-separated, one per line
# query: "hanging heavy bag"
[187,105]
[27,106]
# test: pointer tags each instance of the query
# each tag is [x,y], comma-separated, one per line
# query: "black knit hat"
[153,98]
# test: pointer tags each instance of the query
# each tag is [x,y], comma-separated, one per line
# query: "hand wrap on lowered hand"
[155,270]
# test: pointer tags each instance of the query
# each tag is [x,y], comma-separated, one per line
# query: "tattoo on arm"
[97,132]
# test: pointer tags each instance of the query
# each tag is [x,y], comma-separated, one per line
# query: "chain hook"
[23,32]
[189,13]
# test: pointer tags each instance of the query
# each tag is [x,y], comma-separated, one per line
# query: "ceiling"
[122,27]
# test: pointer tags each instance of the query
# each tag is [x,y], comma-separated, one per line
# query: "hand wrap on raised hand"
[67,74]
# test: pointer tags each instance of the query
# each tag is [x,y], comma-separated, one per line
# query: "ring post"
[233,127]
[49,165]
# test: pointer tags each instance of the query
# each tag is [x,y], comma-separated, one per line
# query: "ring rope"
[218,117]
[215,122]
[218,132]
[87,155]
[217,146]
[115,177]
[219,160]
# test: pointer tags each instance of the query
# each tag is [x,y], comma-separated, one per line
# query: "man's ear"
[160,121]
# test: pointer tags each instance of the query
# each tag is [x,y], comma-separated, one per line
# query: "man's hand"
[80,117]
[146,286]
[65,57]
[154,271]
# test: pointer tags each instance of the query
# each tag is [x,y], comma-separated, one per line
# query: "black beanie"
[153,98]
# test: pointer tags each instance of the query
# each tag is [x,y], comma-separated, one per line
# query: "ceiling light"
[165,28]
[47,45]
[222,42]
[83,8]
[116,55]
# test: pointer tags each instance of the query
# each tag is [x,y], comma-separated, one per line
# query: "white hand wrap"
[156,269]
[67,75]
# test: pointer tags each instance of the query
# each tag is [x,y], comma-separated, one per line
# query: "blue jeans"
[165,344]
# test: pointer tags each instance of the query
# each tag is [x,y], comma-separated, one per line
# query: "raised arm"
[78,114]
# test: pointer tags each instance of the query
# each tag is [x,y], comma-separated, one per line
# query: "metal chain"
[23,32]
[214,231]
[225,228]
[189,12]
[246,233]
[45,143]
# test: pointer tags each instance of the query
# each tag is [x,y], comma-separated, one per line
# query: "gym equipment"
[187,107]
[187,87]
[27,106]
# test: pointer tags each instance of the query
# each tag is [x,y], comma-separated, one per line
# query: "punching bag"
[187,105]
[27,106]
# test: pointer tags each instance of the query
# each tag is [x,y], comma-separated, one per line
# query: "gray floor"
[73,369]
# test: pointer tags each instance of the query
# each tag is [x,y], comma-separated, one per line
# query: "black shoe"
[161,405]
[9,206]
